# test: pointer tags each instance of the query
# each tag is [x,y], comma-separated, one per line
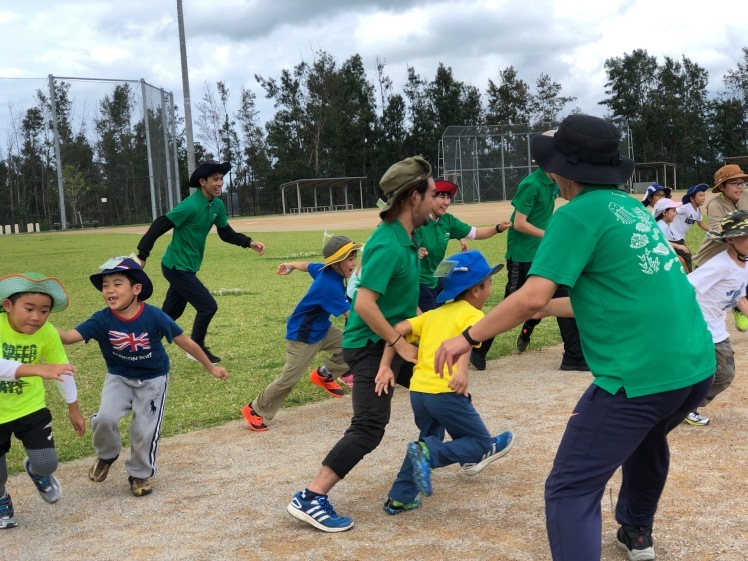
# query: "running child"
[720,285]
[310,331]
[129,334]
[688,215]
[26,338]
[441,403]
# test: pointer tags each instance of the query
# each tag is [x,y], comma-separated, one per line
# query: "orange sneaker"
[326,383]
[255,422]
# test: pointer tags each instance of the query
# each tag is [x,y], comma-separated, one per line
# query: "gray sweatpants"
[145,398]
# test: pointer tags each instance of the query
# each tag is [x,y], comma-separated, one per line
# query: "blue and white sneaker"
[499,447]
[418,454]
[7,516]
[394,507]
[319,513]
[48,486]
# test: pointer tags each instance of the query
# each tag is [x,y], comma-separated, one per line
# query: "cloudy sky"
[235,39]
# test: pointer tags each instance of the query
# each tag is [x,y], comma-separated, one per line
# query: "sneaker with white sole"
[420,458]
[696,420]
[396,507]
[636,542]
[211,357]
[318,512]
[499,447]
[7,515]
[47,485]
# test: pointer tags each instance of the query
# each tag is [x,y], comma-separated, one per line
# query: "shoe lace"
[325,505]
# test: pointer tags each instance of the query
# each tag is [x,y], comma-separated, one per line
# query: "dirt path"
[221,493]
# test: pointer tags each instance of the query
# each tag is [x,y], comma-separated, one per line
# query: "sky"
[235,40]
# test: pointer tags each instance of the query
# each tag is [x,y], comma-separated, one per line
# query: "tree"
[547,103]
[508,102]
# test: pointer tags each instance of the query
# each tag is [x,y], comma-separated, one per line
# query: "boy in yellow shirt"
[441,402]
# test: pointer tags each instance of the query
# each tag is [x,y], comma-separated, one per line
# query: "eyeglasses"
[736,184]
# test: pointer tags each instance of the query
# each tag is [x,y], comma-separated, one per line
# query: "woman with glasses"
[654,193]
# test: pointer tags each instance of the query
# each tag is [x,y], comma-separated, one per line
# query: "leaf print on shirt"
[638,241]
[649,265]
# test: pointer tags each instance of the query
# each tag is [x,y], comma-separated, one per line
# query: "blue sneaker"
[48,486]
[7,516]
[396,507]
[499,447]
[418,454]
[319,513]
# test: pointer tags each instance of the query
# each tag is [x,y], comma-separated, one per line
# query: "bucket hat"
[206,169]
[726,173]
[128,266]
[338,248]
[732,225]
[662,205]
[463,271]
[444,186]
[692,191]
[35,282]
[583,149]
[652,189]
[399,177]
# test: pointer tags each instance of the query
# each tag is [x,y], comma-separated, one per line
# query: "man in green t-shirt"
[192,220]
[606,247]
[387,294]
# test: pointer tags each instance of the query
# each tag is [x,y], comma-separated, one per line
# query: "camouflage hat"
[726,173]
[400,176]
[338,248]
[733,225]
[35,282]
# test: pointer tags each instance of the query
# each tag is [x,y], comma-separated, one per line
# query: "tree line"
[332,120]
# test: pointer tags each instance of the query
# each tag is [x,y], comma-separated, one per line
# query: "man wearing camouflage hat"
[387,294]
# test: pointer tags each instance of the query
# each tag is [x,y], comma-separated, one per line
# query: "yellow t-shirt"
[431,329]
[26,395]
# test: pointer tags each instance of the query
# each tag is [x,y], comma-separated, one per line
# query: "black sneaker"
[523,339]
[211,357]
[478,360]
[636,542]
[569,366]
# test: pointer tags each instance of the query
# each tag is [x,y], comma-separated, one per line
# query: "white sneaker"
[696,420]
[499,447]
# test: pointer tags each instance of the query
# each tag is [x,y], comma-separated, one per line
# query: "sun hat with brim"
[726,173]
[583,149]
[444,186]
[206,169]
[35,282]
[732,225]
[399,177]
[338,248]
[128,266]
[652,189]
[662,205]
[692,191]
[463,271]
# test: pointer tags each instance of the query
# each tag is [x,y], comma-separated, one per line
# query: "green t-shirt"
[26,395]
[389,267]
[535,198]
[434,237]
[640,324]
[192,218]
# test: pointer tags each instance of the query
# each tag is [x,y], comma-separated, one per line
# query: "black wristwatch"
[498,230]
[468,338]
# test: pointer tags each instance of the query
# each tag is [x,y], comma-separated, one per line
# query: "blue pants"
[435,413]
[604,432]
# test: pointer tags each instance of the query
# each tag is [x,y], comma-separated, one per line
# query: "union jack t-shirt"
[132,347]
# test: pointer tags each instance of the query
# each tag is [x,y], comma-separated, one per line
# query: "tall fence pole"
[186,92]
[172,117]
[58,152]
[148,149]
[165,126]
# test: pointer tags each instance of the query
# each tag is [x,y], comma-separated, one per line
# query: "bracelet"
[498,230]
[468,338]
[396,340]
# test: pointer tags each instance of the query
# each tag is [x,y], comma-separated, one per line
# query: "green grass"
[247,332]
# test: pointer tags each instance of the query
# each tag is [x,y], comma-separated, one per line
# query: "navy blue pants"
[185,288]
[604,432]
[434,414]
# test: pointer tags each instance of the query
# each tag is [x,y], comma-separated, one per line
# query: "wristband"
[395,341]
[497,229]
[468,338]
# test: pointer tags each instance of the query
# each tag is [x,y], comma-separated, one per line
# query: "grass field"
[247,332]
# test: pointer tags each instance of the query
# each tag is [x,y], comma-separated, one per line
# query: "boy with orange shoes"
[310,331]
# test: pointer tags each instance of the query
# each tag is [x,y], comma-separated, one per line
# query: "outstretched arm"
[157,229]
[487,231]
[188,345]
[287,267]
[385,377]
[70,336]
[229,235]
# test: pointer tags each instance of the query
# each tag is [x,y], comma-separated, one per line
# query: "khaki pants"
[298,358]
[725,370]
